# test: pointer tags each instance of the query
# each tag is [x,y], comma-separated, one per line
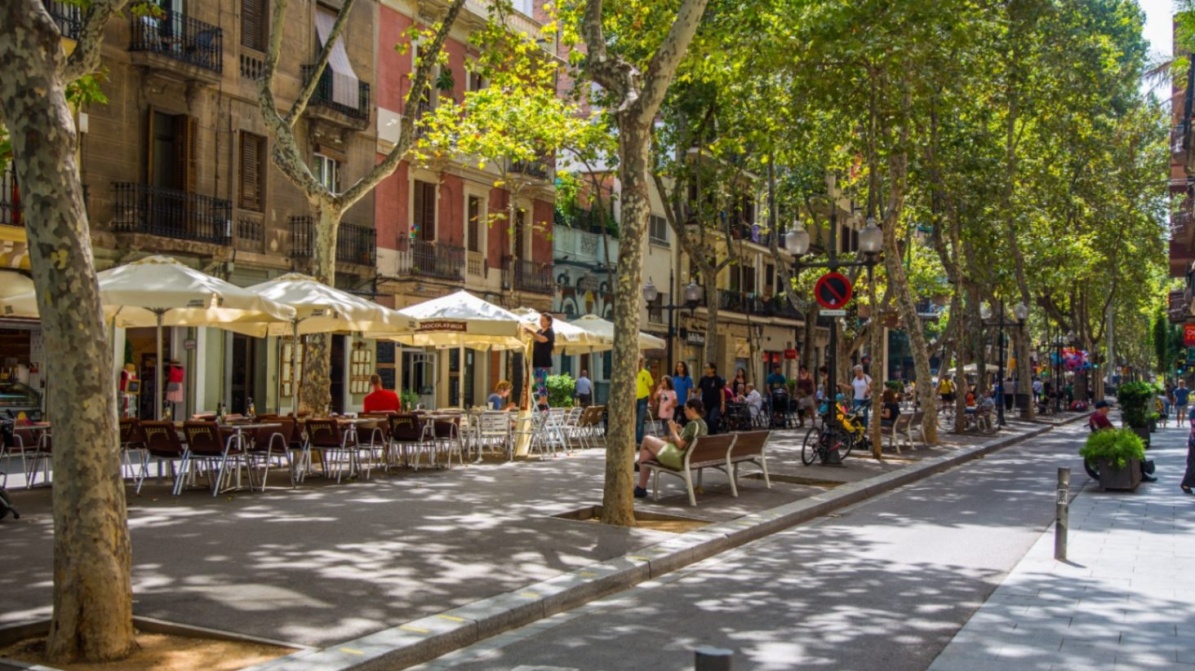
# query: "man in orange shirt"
[381,400]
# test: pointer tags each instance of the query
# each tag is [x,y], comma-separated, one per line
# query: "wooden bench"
[898,430]
[748,448]
[705,452]
[915,421]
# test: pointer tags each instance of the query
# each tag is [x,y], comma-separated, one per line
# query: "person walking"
[682,384]
[1181,396]
[713,398]
[583,389]
[665,400]
[643,385]
[541,354]
[860,387]
[806,390]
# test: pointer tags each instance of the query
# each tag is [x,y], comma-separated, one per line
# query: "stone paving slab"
[1123,600]
[457,555]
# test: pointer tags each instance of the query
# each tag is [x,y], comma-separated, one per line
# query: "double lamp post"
[871,241]
[1020,312]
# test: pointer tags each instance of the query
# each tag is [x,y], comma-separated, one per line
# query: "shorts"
[948,398]
[671,456]
[541,381]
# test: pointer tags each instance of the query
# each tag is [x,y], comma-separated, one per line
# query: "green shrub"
[1115,445]
[409,399]
[560,390]
[1136,403]
[895,385]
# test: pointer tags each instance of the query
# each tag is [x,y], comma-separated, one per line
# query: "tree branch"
[664,62]
[86,57]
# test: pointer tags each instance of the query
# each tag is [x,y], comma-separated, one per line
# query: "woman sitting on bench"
[671,453]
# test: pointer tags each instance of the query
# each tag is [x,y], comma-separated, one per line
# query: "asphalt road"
[882,585]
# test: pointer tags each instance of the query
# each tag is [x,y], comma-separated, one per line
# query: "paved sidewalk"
[1124,600]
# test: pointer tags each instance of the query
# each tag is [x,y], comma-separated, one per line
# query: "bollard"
[713,659]
[1062,513]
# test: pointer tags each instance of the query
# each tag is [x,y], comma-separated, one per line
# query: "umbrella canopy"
[461,320]
[570,339]
[973,368]
[13,283]
[605,329]
[320,308]
[159,291]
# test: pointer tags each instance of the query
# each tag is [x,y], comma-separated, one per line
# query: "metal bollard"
[713,659]
[1062,513]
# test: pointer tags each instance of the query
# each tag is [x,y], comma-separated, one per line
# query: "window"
[172,151]
[474,224]
[255,18]
[657,229]
[476,81]
[253,160]
[424,222]
[327,172]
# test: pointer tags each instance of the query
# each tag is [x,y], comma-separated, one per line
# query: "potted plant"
[409,400]
[1114,458]
[1136,404]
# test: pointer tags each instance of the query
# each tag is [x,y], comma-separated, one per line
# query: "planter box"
[1126,478]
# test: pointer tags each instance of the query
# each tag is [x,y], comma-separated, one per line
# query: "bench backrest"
[710,448]
[750,443]
[902,421]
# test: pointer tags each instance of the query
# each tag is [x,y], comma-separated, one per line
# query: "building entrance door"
[419,376]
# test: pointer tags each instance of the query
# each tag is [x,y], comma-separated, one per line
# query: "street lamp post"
[1058,342]
[796,241]
[1021,312]
[693,294]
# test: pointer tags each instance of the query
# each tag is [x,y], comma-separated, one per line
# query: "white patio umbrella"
[159,291]
[602,328]
[461,320]
[320,308]
[570,339]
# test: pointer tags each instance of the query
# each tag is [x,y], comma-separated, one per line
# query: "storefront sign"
[695,338]
[790,354]
[189,344]
[443,325]
[1189,334]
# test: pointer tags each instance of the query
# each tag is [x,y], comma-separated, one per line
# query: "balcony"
[532,276]
[354,244]
[68,17]
[428,258]
[655,309]
[735,301]
[330,94]
[170,213]
[250,233]
[177,37]
[541,168]
[750,233]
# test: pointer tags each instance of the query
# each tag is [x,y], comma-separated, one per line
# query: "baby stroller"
[781,412]
[6,442]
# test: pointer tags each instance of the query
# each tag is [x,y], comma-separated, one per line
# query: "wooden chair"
[162,445]
[207,446]
[337,448]
[273,446]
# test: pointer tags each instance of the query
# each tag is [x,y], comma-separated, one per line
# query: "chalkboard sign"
[387,375]
[385,352]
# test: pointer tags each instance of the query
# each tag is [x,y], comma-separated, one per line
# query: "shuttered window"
[254,19]
[474,223]
[253,152]
[425,210]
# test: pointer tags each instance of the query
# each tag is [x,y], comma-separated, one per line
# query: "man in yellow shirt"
[946,391]
[643,385]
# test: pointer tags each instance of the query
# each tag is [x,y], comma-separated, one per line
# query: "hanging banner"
[1189,334]
[790,354]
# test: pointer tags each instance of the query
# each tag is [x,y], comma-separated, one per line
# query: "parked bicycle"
[821,441]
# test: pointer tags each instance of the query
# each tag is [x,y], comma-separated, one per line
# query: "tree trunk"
[93,609]
[633,150]
[878,370]
[317,357]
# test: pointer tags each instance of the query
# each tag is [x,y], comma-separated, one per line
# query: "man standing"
[712,396]
[861,388]
[380,400]
[541,353]
[776,379]
[1181,396]
[584,389]
[643,385]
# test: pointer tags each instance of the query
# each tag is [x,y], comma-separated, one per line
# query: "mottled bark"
[637,100]
[92,617]
[317,359]
[879,369]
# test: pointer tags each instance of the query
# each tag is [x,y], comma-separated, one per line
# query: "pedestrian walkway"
[1125,599]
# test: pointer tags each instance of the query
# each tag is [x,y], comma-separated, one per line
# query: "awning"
[14,248]
[345,84]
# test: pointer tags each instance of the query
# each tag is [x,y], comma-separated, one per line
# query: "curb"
[430,637]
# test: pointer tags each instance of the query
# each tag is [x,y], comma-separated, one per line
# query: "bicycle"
[821,440]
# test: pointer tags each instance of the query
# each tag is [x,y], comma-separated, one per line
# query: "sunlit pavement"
[326,563]
[1125,599]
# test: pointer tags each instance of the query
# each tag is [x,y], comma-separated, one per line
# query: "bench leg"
[732,469]
[689,486]
[763,463]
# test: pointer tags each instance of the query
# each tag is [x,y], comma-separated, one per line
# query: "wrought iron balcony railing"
[68,17]
[427,258]
[329,93]
[354,244]
[170,213]
[533,276]
[178,36]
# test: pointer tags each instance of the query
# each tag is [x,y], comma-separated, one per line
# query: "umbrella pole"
[294,370]
[161,385]
[527,406]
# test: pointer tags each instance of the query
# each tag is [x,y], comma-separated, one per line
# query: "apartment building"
[454,225]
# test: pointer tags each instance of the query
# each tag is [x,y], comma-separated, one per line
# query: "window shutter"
[251,146]
[474,224]
[253,24]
